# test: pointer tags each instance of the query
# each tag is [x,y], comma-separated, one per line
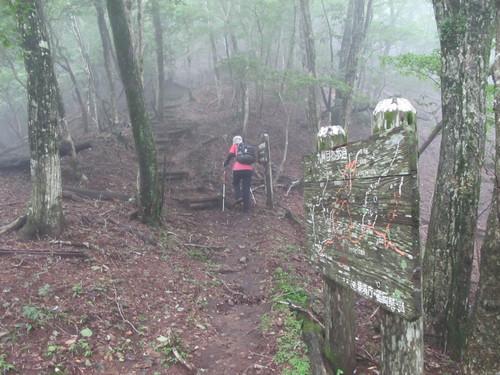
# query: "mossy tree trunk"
[44,216]
[483,345]
[149,192]
[465,29]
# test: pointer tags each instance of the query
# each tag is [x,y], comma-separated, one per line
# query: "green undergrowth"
[286,324]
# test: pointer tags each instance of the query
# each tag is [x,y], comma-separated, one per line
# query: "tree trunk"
[358,19]
[465,37]
[79,98]
[483,345]
[149,192]
[160,61]
[45,211]
[309,63]
[107,50]
[92,102]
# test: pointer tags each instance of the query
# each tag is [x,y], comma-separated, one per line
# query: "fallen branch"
[292,185]
[23,162]
[121,313]
[144,237]
[191,368]
[15,225]
[310,314]
[429,140]
[96,194]
[75,244]
[62,254]
[204,246]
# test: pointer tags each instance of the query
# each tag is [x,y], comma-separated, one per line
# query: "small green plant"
[81,346]
[77,290]
[289,289]
[36,315]
[52,349]
[167,347]
[45,290]
[4,366]
[121,348]
[291,349]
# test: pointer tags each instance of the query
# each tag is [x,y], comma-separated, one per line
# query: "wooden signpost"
[264,158]
[362,215]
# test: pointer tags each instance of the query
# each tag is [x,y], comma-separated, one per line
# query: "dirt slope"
[199,294]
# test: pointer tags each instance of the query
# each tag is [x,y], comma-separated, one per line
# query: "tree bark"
[483,345]
[358,20]
[107,50]
[149,191]
[160,60]
[44,215]
[309,64]
[92,102]
[465,37]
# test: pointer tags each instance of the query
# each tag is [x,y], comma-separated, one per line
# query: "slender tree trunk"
[358,20]
[215,58]
[66,137]
[465,36]
[309,63]
[92,103]
[160,61]
[79,97]
[107,50]
[149,191]
[483,345]
[140,43]
[44,216]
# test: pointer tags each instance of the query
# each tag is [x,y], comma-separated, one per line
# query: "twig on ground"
[228,288]
[177,355]
[302,310]
[121,313]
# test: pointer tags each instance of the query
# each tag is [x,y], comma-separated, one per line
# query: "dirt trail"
[236,316]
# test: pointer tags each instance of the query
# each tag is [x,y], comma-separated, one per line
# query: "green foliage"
[291,349]
[4,366]
[77,290]
[289,288]
[45,290]
[36,314]
[81,346]
[167,347]
[420,66]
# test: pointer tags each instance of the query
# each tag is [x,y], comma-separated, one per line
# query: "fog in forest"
[199,35]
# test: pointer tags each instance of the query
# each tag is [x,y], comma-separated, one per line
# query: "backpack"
[245,154]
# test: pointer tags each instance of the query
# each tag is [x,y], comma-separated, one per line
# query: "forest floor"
[207,293]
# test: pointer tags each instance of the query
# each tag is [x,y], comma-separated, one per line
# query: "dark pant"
[245,178]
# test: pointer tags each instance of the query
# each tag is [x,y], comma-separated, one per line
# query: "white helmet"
[237,140]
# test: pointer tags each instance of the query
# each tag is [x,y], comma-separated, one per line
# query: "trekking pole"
[253,196]
[224,190]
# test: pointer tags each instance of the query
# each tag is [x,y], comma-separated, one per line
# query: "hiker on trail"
[242,175]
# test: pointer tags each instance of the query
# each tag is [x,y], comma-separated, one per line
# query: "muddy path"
[239,347]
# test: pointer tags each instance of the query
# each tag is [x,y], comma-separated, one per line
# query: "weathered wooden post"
[264,157]
[340,344]
[402,340]
[362,217]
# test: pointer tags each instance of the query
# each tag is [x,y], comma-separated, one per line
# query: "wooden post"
[264,157]
[402,340]
[361,203]
[340,345]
